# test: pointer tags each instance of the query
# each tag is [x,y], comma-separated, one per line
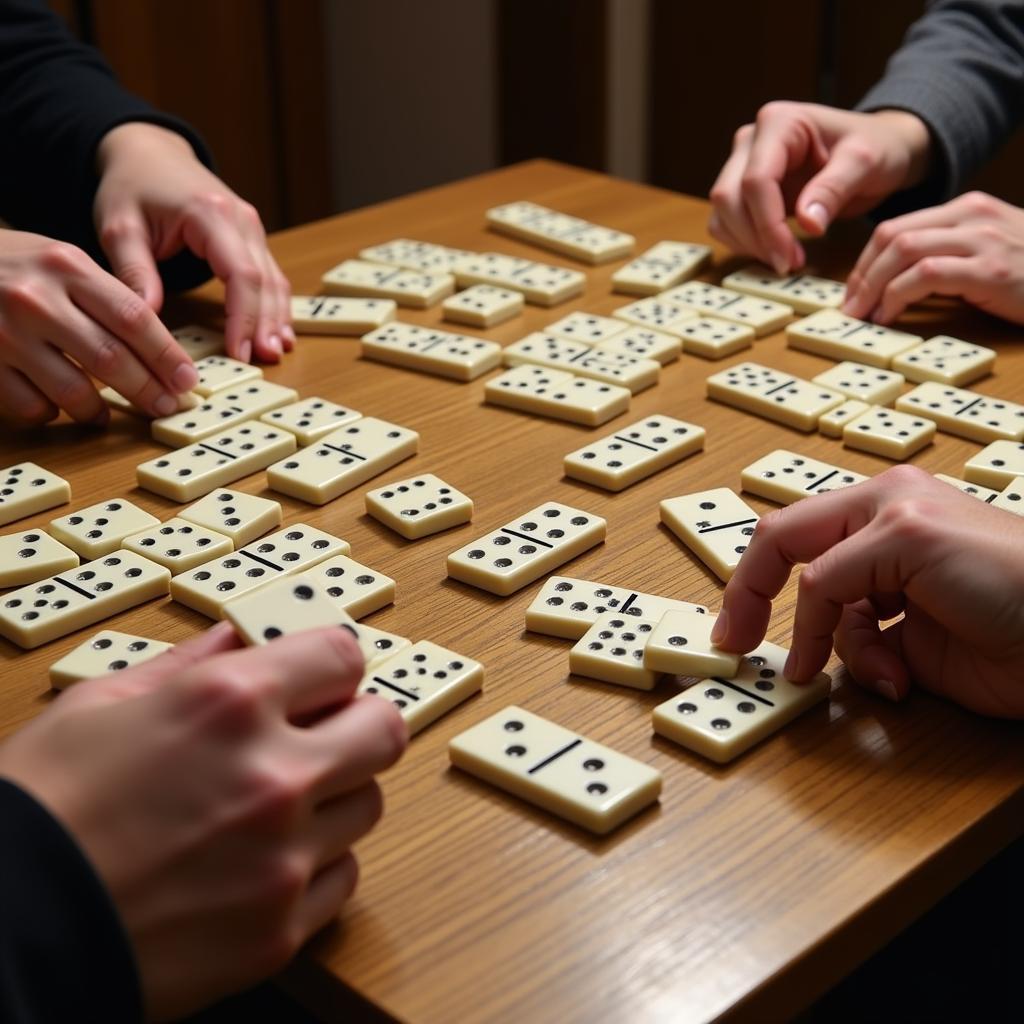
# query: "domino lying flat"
[311,418]
[869,384]
[117,401]
[585,359]
[108,651]
[613,650]
[77,598]
[985,494]
[352,587]
[588,328]
[763,316]
[540,283]
[483,305]
[26,488]
[715,525]
[996,465]
[198,342]
[681,645]
[555,393]
[945,360]
[560,232]
[534,759]
[441,353]
[525,549]
[965,413]
[656,311]
[1011,498]
[179,545]
[894,435]
[662,266]
[374,280]
[785,477]
[635,452]
[833,422]
[645,343]
[323,314]
[99,529]
[806,294]
[240,517]
[773,394]
[219,372]
[32,555]
[414,255]
[830,334]
[712,338]
[419,506]
[721,718]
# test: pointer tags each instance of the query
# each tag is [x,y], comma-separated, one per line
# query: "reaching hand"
[902,542]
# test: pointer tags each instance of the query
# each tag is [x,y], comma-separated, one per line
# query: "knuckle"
[929,268]
[226,695]
[863,154]
[754,182]
[906,245]
[742,134]
[76,395]
[23,296]
[33,411]
[249,274]
[213,202]
[775,110]
[910,519]
[117,229]
[979,203]
[132,313]
[62,257]
[990,233]
[998,270]
[106,357]
[768,525]
[885,234]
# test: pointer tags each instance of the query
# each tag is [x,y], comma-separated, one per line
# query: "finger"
[267,344]
[282,291]
[845,177]
[970,279]
[337,824]
[871,654]
[326,895]
[125,240]
[62,383]
[727,199]
[888,606]
[21,401]
[717,229]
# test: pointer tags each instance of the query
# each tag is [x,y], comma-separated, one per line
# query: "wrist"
[913,142]
[134,137]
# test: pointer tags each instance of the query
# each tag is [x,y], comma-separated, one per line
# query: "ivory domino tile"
[26,488]
[833,335]
[219,372]
[805,293]
[715,525]
[773,394]
[869,384]
[663,265]
[100,528]
[965,413]
[419,506]
[309,419]
[560,395]
[540,283]
[239,516]
[483,305]
[784,477]
[441,353]
[712,338]
[32,555]
[584,359]
[680,645]
[178,544]
[763,316]
[833,422]
[945,360]
[893,435]
[374,280]
[997,465]
[106,652]
[560,232]
[328,314]
[613,651]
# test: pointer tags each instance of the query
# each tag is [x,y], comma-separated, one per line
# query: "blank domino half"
[108,651]
[419,506]
[455,356]
[715,525]
[374,280]
[681,645]
[830,334]
[806,294]
[100,528]
[965,413]
[540,283]
[559,232]
[32,555]
[328,314]
[773,394]
[239,516]
[613,651]
[26,488]
[784,477]
[663,265]
[763,316]
[945,360]
[997,465]
[541,391]
[582,781]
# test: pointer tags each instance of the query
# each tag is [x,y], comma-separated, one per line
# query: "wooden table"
[752,887]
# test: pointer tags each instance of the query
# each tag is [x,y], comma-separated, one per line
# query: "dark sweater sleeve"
[961,70]
[58,98]
[64,955]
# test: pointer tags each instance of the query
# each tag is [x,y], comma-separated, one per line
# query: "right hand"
[816,162]
[62,314]
[220,825]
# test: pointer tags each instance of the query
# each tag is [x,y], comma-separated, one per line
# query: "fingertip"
[720,630]
[245,351]
[813,217]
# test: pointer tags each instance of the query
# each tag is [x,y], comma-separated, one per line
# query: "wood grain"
[751,887]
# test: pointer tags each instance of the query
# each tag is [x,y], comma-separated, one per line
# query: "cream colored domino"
[209,587]
[311,418]
[290,604]
[559,232]
[187,473]
[568,607]
[199,342]
[374,280]
[219,372]
[542,391]
[965,413]
[945,360]
[712,338]
[870,384]
[100,528]
[442,353]
[893,435]
[634,452]
[657,312]
[833,422]
[239,516]
[588,328]
[830,334]
[541,283]
[645,343]
[715,525]
[584,359]
[32,555]
[377,645]
[415,255]
[186,400]
[584,782]
[806,294]
[662,266]
[328,314]
[77,598]
[353,587]
[784,477]
[722,718]
[342,460]
[997,465]
[681,645]
[106,652]
[612,650]
[773,394]
[763,316]
[985,494]
[26,488]
[1011,498]
[178,544]
[526,548]
[424,681]
[483,305]
[419,506]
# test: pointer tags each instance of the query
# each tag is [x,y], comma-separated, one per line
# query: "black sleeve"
[64,955]
[58,98]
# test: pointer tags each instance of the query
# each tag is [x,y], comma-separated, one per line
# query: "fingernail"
[780,265]
[720,628]
[184,378]
[792,666]
[819,215]
[245,351]
[288,333]
[275,344]
[887,689]
[166,405]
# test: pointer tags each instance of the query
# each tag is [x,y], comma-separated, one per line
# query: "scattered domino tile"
[870,384]
[419,506]
[657,312]
[588,328]
[894,435]
[178,544]
[645,343]
[77,598]
[830,334]
[945,360]
[310,418]
[712,338]
[32,555]
[833,422]
[612,650]
[634,452]
[342,460]
[424,681]
[965,413]
[663,265]
[715,525]
[108,651]
[328,314]
[219,372]
[186,400]
[199,342]
[555,393]
[997,465]
[575,778]
[375,280]
[806,294]
[722,718]
[568,607]
[560,232]
[762,315]
[540,283]
[239,516]
[99,529]
[483,305]
[26,488]
[985,494]
[353,587]
[784,477]
[188,473]
[415,255]
[584,359]
[1011,498]
[442,353]
[680,645]
[773,394]
[523,550]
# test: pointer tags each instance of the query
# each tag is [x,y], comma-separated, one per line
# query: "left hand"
[154,199]
[971,247]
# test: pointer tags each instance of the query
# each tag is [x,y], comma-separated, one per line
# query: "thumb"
[125,241]
[845,178]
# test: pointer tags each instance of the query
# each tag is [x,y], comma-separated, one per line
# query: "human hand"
[972,247]
[902,542]
[154,199]
[816,162]
[221,828]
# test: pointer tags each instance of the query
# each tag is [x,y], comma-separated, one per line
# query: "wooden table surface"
[751,887]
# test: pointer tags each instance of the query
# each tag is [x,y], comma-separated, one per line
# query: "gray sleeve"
[961,70]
